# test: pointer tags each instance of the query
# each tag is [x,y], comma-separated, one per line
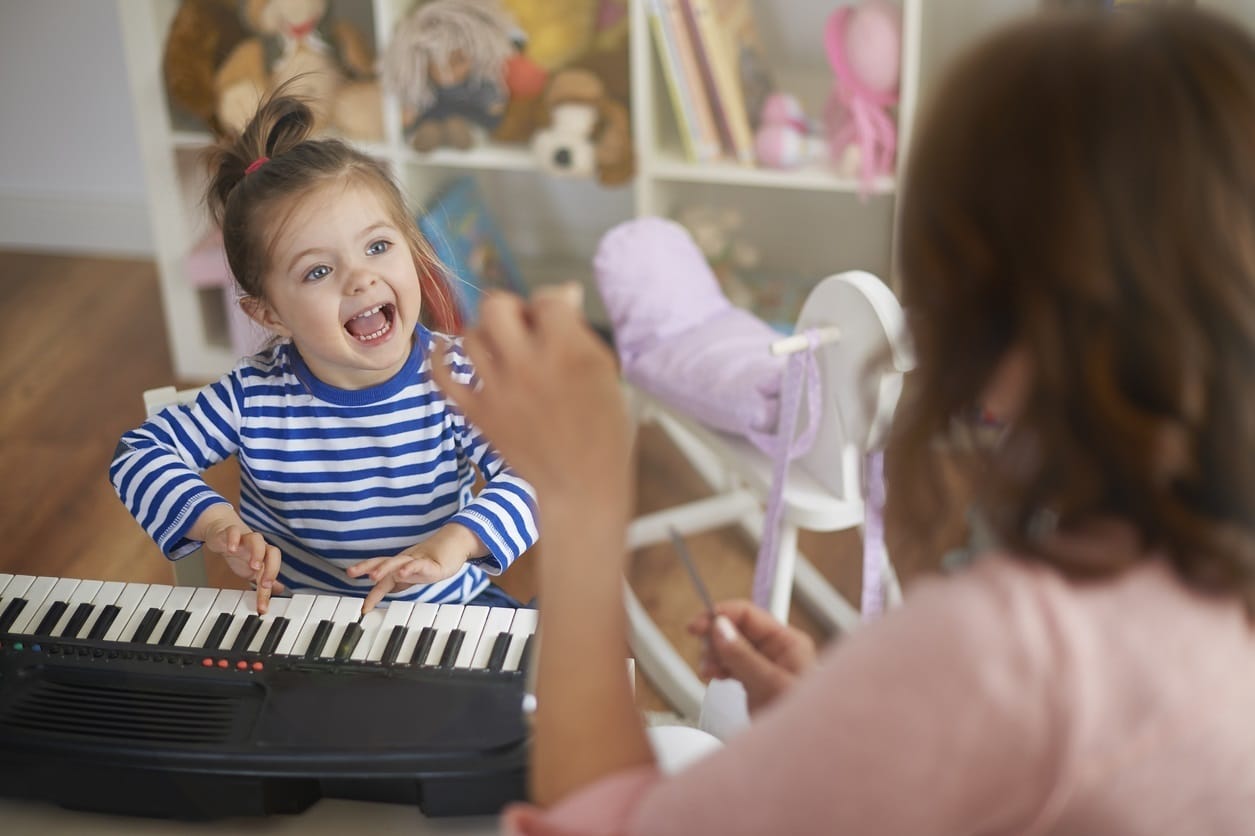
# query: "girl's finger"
[377,593]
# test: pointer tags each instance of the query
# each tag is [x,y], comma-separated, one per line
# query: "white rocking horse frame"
[862,355]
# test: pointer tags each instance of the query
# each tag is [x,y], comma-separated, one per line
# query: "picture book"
[737,74]
[468,242]
[694,120]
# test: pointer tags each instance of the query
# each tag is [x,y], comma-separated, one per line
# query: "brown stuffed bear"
[331,60]
[201,35]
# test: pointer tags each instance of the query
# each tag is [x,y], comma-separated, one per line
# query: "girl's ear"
[257,310]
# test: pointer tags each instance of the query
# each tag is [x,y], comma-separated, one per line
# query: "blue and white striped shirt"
[330,476]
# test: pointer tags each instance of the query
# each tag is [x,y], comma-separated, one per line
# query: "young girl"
[356,472]
[1078,256]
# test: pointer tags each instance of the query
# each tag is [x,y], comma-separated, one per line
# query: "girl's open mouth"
[372,324]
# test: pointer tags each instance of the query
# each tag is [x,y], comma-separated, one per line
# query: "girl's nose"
[359,280]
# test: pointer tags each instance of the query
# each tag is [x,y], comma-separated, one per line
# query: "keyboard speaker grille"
[135,713]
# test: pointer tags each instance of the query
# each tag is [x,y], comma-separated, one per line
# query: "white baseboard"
[78,224]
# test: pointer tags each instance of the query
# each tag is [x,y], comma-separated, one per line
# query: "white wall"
[70,170]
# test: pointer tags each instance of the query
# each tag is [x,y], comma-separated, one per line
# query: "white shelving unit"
[806,223]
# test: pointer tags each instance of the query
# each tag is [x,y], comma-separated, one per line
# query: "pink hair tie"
[255,164]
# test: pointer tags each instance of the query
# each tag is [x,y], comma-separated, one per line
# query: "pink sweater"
[1004,700]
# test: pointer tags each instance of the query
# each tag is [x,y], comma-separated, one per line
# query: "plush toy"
[447,63]
[717,231]
[557,31]
[585,128]
[201,35]
[329,59]
[785,137]
[864,46]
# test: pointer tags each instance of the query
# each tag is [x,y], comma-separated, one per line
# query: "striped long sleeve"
[330,476]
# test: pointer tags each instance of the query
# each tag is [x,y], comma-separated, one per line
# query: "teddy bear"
[327,60]
[447,63]
[202,34]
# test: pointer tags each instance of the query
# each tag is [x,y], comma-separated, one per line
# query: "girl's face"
[343,286]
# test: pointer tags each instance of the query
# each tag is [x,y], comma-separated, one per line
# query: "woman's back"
[1056,706]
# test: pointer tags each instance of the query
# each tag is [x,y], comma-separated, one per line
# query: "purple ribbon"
[802,367]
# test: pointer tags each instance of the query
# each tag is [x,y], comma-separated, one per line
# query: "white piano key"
[5,577]
[127,602]
[498,622]
[395,615]
[324,608]
[35,596]
[472,625]
[225,602]
[106,596]
[14,589]
[178,599]
[347,611]
[278,607]
[298,610]
[198,608]
[523,625]
[61,591]
[372,623]
[154,597]
[424,615]
[82,594]
[447,620]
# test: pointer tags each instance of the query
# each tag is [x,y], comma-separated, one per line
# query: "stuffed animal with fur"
[557,31]
[447,63]
[588,132]
[330,61]
[592,95]
[201,35]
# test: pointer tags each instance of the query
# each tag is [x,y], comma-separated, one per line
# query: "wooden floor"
[82,338]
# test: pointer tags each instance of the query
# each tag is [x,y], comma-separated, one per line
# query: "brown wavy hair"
[251,208]
[1082,190]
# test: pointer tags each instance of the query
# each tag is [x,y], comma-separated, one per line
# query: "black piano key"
[500,646]
[218,632]
[81,613]
[348,642]
[247,631]
[50,619]
[146,625]
[107,616]
[525,660]
[321,633]
[11,612]
[425,639]
[177,620]
[393,647]
[451,648]
[271,641]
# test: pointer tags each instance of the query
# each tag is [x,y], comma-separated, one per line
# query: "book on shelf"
[469,243]
[738,78]
[694,121]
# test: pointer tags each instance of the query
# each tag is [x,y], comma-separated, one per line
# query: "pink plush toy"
[864,46]
[785,137]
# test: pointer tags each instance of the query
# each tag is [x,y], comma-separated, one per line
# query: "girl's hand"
[246,552]
[748,644]
[438,557]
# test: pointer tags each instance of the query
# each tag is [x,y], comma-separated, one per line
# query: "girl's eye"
[319,272]
[378,248]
